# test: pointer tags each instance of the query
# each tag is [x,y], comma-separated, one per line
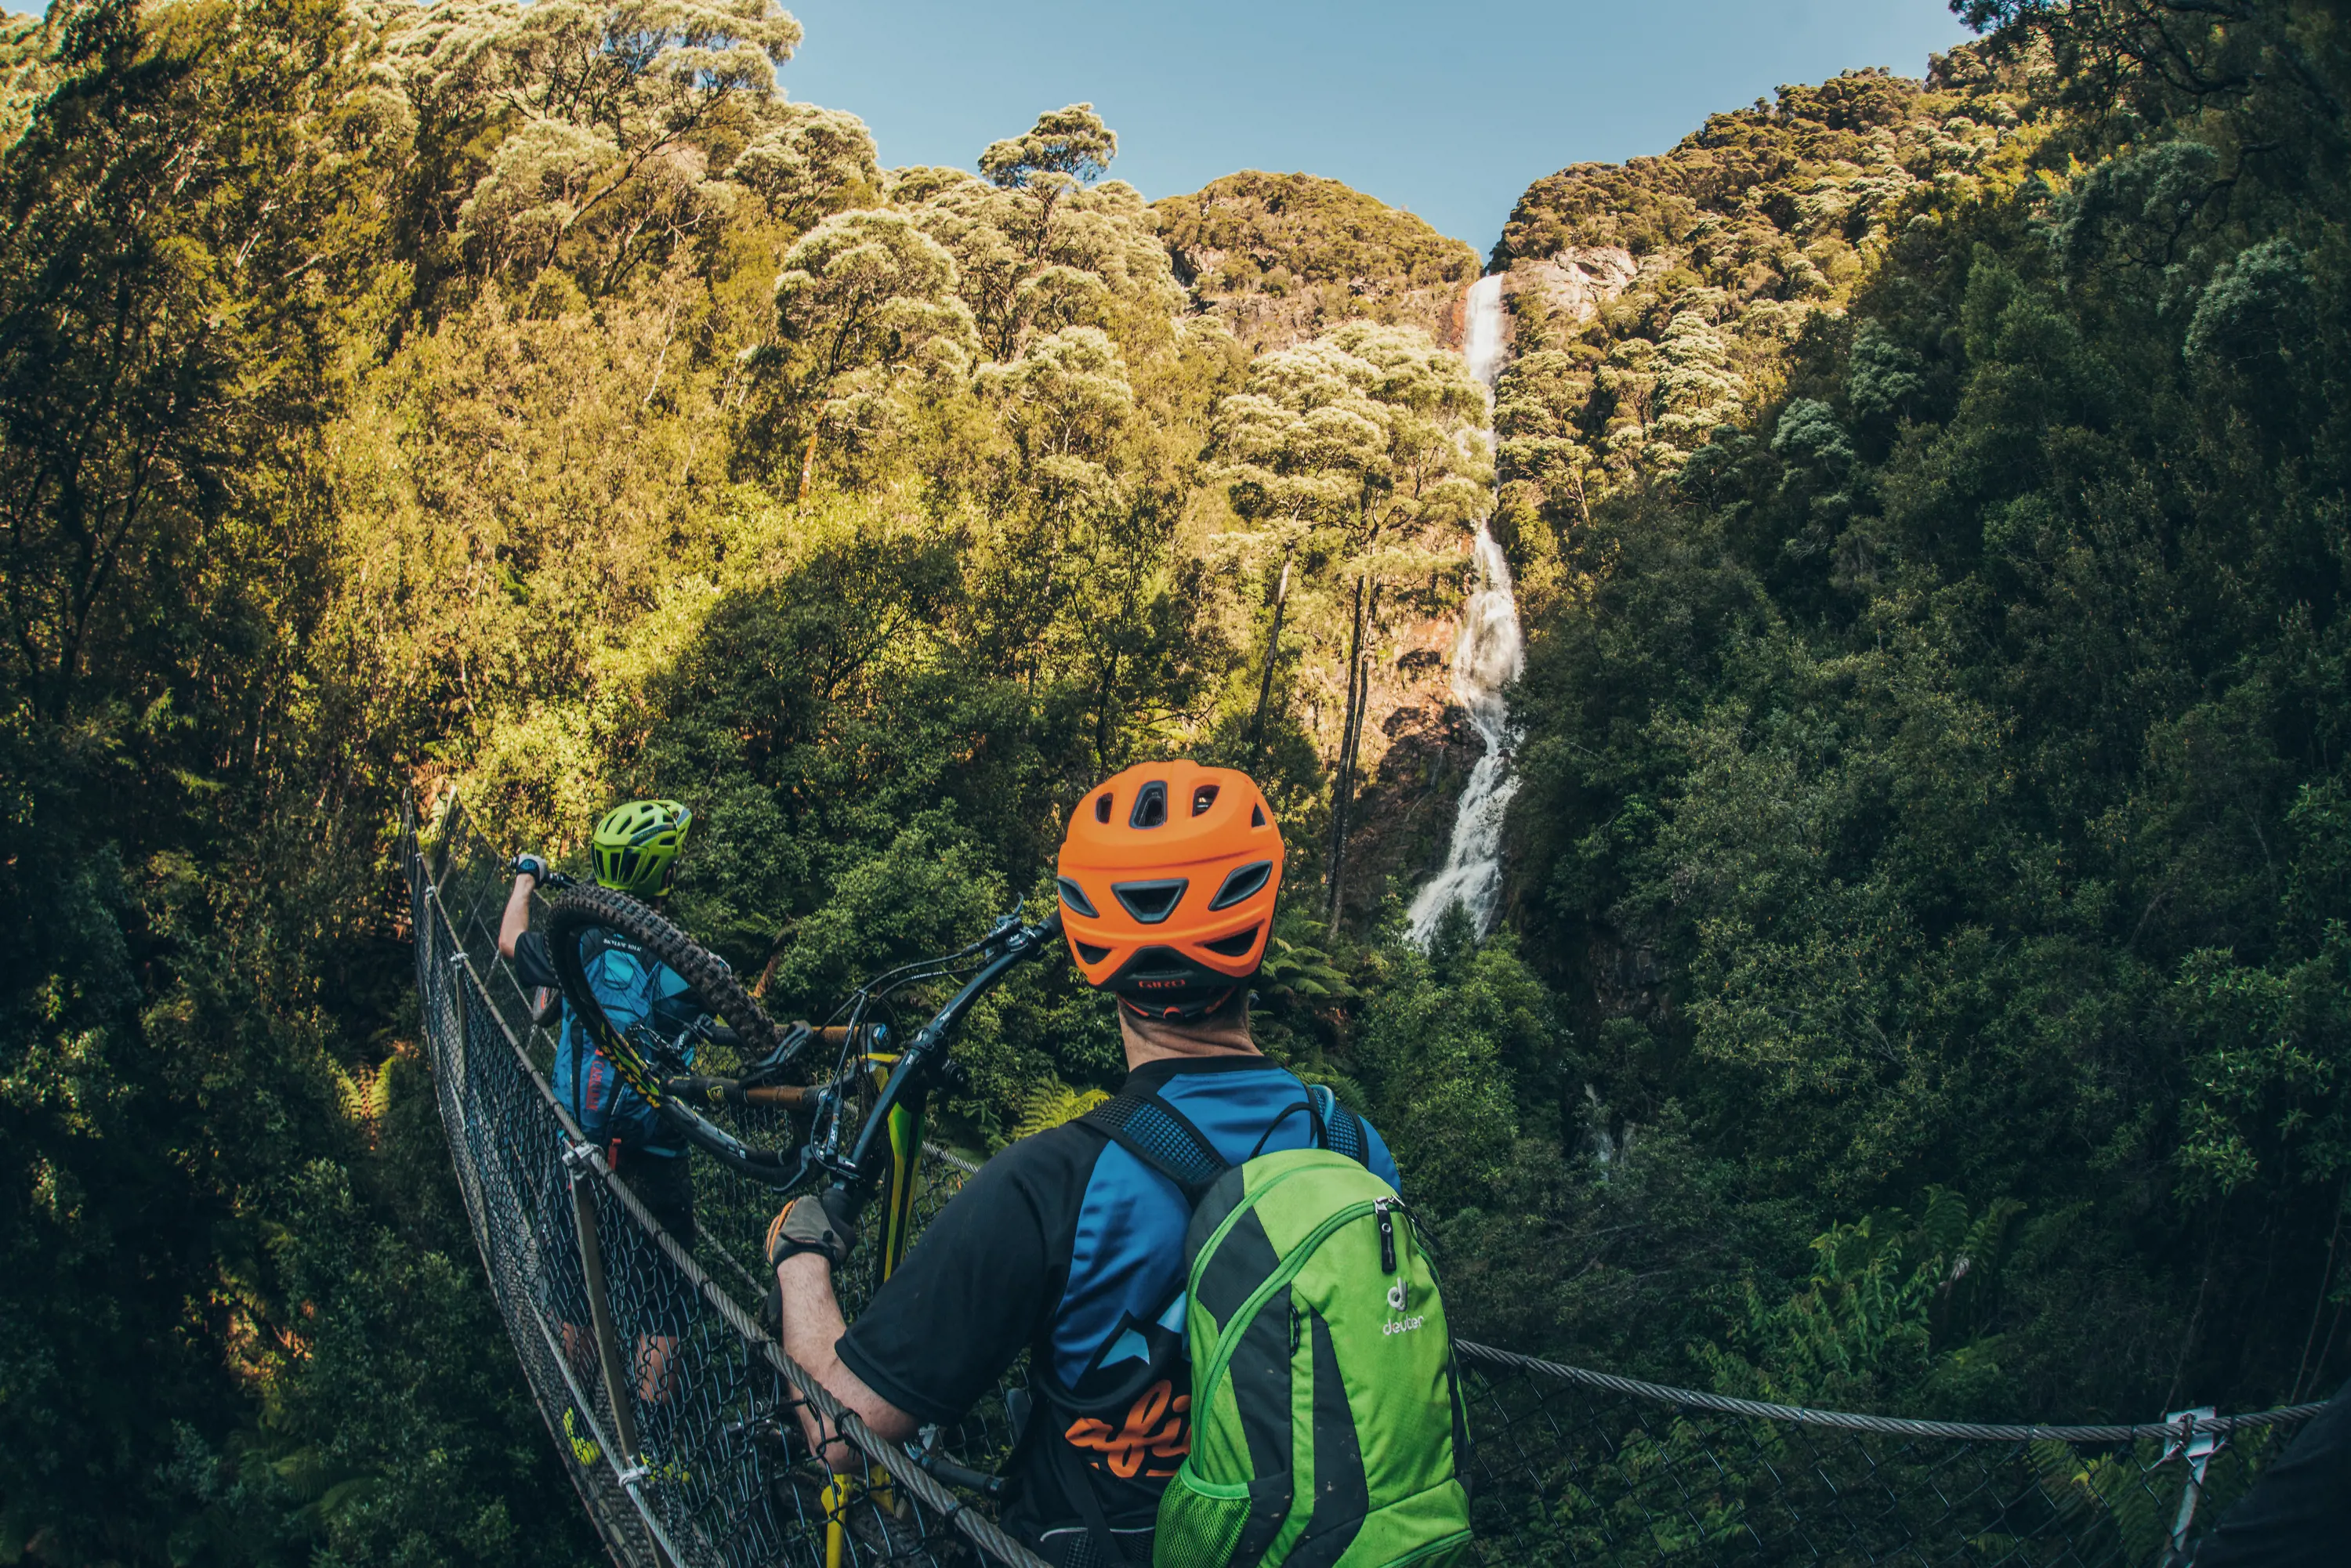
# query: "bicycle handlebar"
[855,1177]
[734,1091]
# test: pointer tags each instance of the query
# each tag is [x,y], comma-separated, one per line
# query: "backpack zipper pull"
[1387,1235]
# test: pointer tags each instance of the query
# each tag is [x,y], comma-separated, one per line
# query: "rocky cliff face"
[1282,258]
[1569,286]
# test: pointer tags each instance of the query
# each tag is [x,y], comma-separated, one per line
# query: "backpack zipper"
[1387,1235]
[1224,1227]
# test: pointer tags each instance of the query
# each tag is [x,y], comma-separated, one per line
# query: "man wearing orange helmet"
[1066,1244]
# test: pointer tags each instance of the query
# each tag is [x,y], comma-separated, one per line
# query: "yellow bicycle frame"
[905,1171]
[897,1195]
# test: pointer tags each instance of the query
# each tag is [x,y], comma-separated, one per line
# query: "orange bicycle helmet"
[1169,877]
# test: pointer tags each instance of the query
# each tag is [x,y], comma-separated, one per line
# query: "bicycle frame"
[895,1122]
[908,1087]
[898,1117]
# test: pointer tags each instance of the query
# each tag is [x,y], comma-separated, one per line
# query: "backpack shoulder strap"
[1342,1130]
[1162,1137]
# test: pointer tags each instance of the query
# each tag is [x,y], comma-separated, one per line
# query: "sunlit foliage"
[1923,981]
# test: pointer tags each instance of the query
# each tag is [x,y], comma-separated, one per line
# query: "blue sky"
[1448,111]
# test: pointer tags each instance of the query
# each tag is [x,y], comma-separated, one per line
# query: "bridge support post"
[620,1393]
[2197,1444]
[617,1390]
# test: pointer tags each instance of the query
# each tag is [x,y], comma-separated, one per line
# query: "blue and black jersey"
[640,994]
[1067,1245]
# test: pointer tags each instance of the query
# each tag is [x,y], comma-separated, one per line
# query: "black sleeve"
[978,1284]
[2298,1514]
[534,966]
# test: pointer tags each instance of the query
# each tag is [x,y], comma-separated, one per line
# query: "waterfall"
[1487,656]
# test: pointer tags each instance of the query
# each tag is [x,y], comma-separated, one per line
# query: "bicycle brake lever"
[788,1046]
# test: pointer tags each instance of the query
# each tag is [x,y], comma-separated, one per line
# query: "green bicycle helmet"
[637,844]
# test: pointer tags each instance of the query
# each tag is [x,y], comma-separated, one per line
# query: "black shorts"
[665,1185]
[648,1293]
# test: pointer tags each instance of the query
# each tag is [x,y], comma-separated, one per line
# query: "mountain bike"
[844,1101]
[857,1119]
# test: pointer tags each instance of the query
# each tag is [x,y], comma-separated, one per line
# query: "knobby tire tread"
[712,979]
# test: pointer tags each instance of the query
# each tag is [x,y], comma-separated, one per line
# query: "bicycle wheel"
[643,1022]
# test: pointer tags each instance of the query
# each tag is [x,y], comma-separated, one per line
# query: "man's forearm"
[812,1326]
[518,915]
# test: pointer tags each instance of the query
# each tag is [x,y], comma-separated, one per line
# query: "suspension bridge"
[676,1415]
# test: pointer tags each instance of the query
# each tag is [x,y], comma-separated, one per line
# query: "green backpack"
[1327,1424]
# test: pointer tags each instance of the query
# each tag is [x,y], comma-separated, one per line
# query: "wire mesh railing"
[676,1415]
[678,1418]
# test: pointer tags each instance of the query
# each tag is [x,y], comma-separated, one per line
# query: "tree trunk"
[808,467]
[1350,734]
[1272,656]
[1101,716]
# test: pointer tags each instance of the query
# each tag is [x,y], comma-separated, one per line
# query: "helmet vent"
[1245,882]
[1092,954]
[1151,902]
[1075,897]
[1235,945]
[1257,815]
[1102,807]
[1203,798]
[1150,807]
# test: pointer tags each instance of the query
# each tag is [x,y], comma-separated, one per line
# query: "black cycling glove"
[821,1222]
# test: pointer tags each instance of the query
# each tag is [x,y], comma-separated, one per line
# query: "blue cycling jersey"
[640,996]
[1068,1247]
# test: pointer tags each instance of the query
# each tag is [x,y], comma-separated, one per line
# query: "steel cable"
[1568,1465]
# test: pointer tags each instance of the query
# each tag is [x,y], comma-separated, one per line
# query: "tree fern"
[1051,1103]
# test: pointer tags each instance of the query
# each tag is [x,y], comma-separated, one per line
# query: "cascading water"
[1487,656]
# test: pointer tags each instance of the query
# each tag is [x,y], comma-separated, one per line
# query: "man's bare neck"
[1157,1040]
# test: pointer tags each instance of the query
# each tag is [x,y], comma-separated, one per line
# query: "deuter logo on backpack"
[1397,1297]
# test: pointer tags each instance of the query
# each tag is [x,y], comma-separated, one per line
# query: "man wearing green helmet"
[635,850]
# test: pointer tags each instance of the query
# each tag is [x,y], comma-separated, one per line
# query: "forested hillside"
[1934,780]
[1922,982]
[1655,300]
[1281,257]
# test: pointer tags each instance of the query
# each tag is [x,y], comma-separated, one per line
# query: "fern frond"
[1945,1223]
[1050,1103]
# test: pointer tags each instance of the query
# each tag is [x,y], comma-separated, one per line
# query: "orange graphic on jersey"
[1143,1433]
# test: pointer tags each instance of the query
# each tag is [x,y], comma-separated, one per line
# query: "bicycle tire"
[697,965]
[580,908]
